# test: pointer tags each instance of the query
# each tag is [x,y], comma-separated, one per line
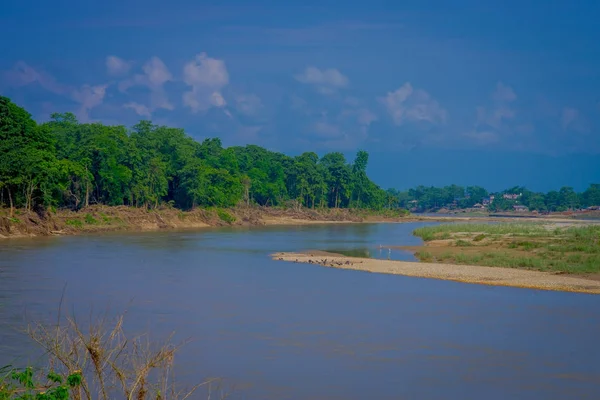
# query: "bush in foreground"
[100,362]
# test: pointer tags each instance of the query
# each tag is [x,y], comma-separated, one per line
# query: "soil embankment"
[460,273]
[104,218]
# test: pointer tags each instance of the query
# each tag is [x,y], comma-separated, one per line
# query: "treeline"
[64,163]
[424,198]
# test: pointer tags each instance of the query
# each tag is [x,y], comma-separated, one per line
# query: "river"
[281,330]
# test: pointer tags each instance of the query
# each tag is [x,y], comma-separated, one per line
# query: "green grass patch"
[90,220]
[445,231]
[530,246]
[76,223]
[225,216]
[14,220]
[479,238]
[424,256]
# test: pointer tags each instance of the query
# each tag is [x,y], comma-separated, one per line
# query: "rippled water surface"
[280,330]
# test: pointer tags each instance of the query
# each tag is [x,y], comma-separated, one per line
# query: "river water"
[279,330]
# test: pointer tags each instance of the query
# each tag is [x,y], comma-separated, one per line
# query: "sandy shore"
[461,273]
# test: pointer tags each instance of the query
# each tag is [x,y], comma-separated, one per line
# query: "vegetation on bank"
[98,362]
[99,218]
[531,246]
[66,164]
[424,198]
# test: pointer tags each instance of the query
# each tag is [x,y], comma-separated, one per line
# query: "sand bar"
[461,273]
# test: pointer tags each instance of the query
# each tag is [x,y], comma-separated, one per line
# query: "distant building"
[487,201]
[478,206]
[511,196]
[520,208]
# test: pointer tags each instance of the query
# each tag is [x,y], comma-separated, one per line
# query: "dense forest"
[64,163]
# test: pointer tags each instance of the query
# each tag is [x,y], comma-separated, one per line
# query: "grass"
[529,246]
[90,220]
[225,216]
[445,231]
[76,223]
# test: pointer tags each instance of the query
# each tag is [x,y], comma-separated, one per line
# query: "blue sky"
[472,92]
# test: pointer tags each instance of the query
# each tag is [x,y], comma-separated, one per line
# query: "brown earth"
[104,218]
[461,273]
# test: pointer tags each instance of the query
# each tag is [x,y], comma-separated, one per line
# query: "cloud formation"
[406,104]
[87,96]
[22,75]
[326,81]
[140,109]
[155,76]
[207,77]
[117,66]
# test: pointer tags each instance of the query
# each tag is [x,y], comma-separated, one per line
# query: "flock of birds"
[336,263]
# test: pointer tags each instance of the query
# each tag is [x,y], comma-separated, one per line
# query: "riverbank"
[558,248]
[121,218]
[460,273]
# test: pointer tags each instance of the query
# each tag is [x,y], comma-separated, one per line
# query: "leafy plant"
[225,216]
[90,220]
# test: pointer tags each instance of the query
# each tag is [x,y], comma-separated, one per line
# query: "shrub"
[74,223]
[89,219]
[225,216]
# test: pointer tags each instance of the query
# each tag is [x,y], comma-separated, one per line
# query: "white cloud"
[326,81]
[140,109]
[207,77]
[22,74]
[248,104]
[406,104]
[87,96]
[155,76]
[496,117]
[117,66]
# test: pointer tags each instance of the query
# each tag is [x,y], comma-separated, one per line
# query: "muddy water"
[296,331]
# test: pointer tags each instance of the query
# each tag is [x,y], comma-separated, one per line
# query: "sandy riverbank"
[460,273]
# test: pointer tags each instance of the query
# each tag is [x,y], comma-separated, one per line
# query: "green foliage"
[25,385]
[76,223]
[90,220]
[225,216]
[65,163]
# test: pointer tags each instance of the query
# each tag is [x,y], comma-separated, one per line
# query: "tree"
[359,175]
[337,177]
[27,157]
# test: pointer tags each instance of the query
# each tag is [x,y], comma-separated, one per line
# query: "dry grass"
[112,364]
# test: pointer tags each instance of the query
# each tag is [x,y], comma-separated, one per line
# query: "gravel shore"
[461,273]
